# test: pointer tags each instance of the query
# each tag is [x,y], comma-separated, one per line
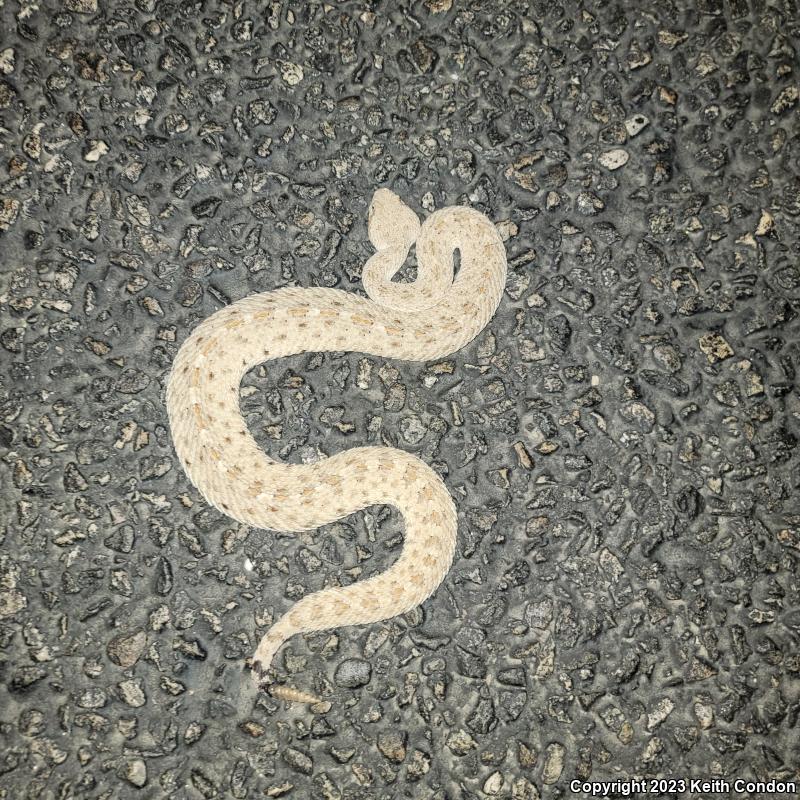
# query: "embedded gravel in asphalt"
[621,441]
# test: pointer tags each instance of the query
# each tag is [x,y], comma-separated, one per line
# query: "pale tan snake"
[430,318]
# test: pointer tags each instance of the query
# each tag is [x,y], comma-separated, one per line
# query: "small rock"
[24,678]
[91,698]
[207,208]
[154,467]
[507,229]
[636,124]
[175,124]
[652,749]
[539,613]
[667,95]
[553,763]
[661,221]
[97,149]
[122,539]
[483,719]
[132,381]
[754,385]
[279,789]
[7,94]
[765,224]
[438,6]
[704,712]
[699,670]
[92,451]
[727,393]
[159,618]
[292,74]
[137,208]
[668,357]
[460,742]
[164,577]
[785,100]
[11,602]
[761,616]
[299,761]
[715,347]
[706,64]
[9,208]
[252,728]
[352,673]
[135,772]
[73,479]
[671,39]
[171,686]
[131,692]
[546,447]
[614,159]
[413,429]
[523,456]
[420,765]
[194,732]
[392,744]
[261,112]
[424,57]
[523,789]
[661,711]
[12,338]
[81,6]
[7,57]
[637,56]
[611,565]
[493,784]
[638,413]
[589,204]
[124,650]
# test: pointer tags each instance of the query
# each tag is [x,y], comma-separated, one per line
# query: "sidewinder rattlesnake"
[427,319]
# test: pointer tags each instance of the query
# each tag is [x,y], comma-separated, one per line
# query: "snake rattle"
[428,319]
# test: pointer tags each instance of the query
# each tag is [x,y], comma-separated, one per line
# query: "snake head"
[392,224]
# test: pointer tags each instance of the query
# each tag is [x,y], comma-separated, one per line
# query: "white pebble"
[493,784]
[7,61]
[98,149]
[141,117]
[614,159]
[636,124]
[765,224]
[291,73]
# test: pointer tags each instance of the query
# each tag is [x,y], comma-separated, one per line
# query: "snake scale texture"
[428,319]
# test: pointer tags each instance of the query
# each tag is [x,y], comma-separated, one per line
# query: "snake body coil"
[427,319]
